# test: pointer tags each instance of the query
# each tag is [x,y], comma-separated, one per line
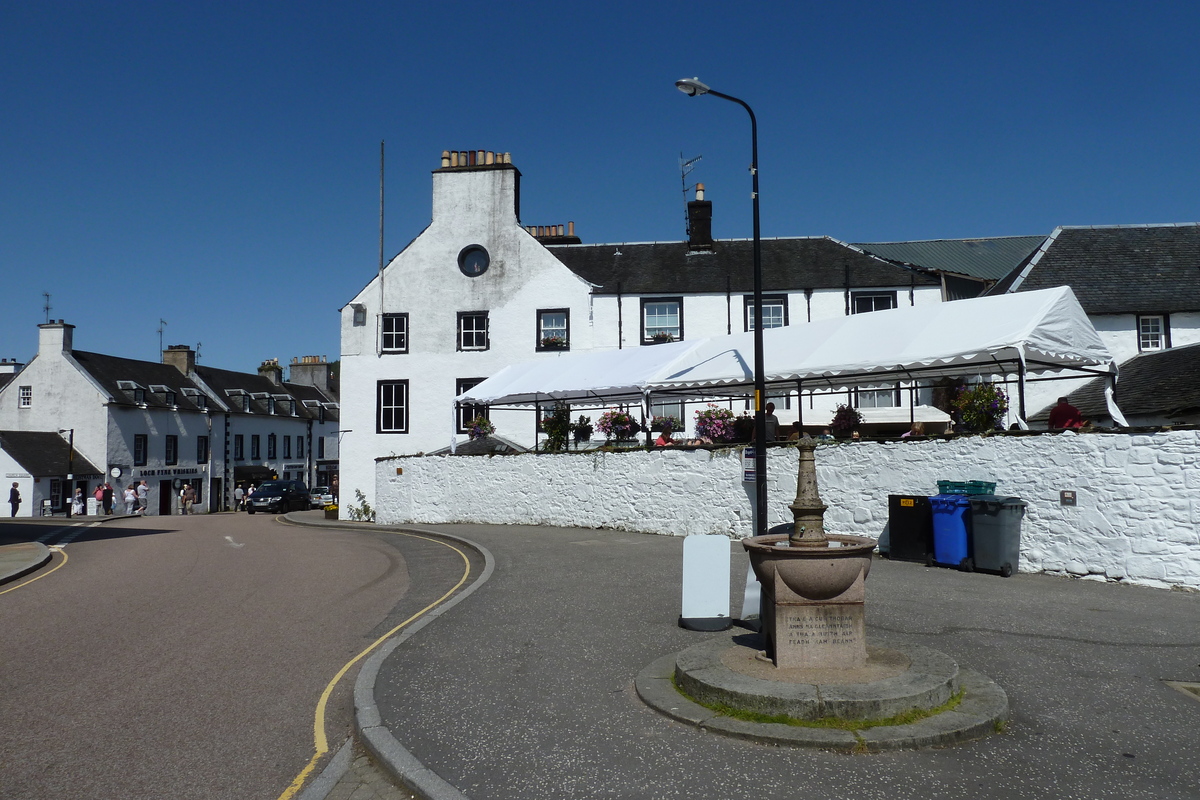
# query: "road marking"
[232,543]
[61,564]
[320,741]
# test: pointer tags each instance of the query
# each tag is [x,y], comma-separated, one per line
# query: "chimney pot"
[699,191]
[570,229]
[445,158]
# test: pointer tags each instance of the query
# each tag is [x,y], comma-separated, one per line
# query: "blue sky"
[216,165]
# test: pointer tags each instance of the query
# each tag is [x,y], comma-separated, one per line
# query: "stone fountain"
[814,584]
[812,663]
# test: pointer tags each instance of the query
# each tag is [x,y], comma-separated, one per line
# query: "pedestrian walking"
[188,495]
[239,497]
[143,496]
[106,498]
[130,498]
[14,498]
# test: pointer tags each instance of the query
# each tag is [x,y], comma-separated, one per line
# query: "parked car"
[321,496]
[276,497]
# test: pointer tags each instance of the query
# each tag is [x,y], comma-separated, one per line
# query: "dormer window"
[169,398]
[139,396]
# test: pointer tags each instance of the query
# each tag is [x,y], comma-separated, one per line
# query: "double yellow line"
[319,738]
[57,567]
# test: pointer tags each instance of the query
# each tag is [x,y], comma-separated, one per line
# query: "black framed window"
[393,335]
[239,447]
[287,447]
[473,330]
[299,447]
[554,329]
[141,445]
[466,413]
[255,447]
[391,407]
[172,449]
[139,396]
[883,397]
[864,302]
[271,449]
[1154,332]
[320,447]
[662,319]
[201,449]
[775,311]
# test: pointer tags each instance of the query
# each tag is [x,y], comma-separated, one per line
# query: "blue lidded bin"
[951,534]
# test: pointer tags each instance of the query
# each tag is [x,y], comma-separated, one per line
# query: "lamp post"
[70,493]
[693,87]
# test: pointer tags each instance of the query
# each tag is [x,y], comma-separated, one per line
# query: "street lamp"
[70,493]
[693,87]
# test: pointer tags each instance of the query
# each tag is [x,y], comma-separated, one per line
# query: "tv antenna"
[198,346]
[161,324]
[46,306]
[685,169]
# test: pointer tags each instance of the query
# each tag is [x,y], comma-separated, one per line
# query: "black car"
[275,497]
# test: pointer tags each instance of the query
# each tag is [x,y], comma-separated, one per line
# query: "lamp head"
[691,86]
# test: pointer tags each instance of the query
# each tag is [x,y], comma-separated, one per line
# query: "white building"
[477,290]
[170,423]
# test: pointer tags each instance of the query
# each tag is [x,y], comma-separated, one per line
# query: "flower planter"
[331,513]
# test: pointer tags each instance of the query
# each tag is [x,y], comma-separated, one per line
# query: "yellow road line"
[320,740]
[42,575]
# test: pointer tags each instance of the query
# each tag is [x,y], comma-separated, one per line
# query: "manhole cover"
[1192,690]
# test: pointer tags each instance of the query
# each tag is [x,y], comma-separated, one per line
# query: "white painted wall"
[1136,519]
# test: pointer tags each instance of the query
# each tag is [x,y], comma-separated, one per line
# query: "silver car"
[320,497]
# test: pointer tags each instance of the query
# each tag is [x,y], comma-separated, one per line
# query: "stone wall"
[1136,518]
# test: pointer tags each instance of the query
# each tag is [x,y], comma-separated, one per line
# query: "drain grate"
[1192,690]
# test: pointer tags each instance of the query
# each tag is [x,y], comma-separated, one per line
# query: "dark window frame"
[540,330]
[201,449]
[862,295]
[239,447]
[141,449]
[469,412]
[384,333]
[678,300]
[748,309]
[171,449]
[255,447]
[401,409]
[287,446]
[272,446]
[487,331]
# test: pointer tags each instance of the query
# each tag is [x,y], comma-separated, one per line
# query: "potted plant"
[557,427]
[715,424]
[480,428]
[662,337]
[331,511]
[982,407]
[845,421]
[582,429]
[619,425]
[554,343]
[669,421]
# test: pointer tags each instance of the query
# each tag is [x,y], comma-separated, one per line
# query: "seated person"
[664,438]
[1065,415]
[917,429]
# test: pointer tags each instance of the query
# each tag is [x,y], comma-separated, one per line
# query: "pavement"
[523,687]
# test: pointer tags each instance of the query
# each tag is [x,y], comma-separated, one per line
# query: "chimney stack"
[271,370]
[55,336]
[181,357]
[699,222]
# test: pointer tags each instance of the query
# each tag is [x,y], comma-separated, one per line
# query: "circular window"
[473,260]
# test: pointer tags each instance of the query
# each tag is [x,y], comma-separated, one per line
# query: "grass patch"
[904,718]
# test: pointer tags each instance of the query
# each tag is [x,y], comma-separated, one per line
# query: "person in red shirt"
[1065,415]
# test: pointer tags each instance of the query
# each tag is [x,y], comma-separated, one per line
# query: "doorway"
[166,495]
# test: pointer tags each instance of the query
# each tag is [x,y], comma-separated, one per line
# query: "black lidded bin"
[996,532]
[910,528]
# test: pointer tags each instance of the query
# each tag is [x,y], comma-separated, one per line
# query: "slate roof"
[1160,383]
[989,259]
[6,378]
[788,265]
[1127,269]
[44,454]
[260,390]
[108,371]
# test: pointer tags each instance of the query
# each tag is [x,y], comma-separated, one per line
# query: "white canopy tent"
[1021,333]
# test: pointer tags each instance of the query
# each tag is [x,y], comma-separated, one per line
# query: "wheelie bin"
[951,530]
[996,533]
[910,528]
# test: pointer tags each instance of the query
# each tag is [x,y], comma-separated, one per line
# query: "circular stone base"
[726,672]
